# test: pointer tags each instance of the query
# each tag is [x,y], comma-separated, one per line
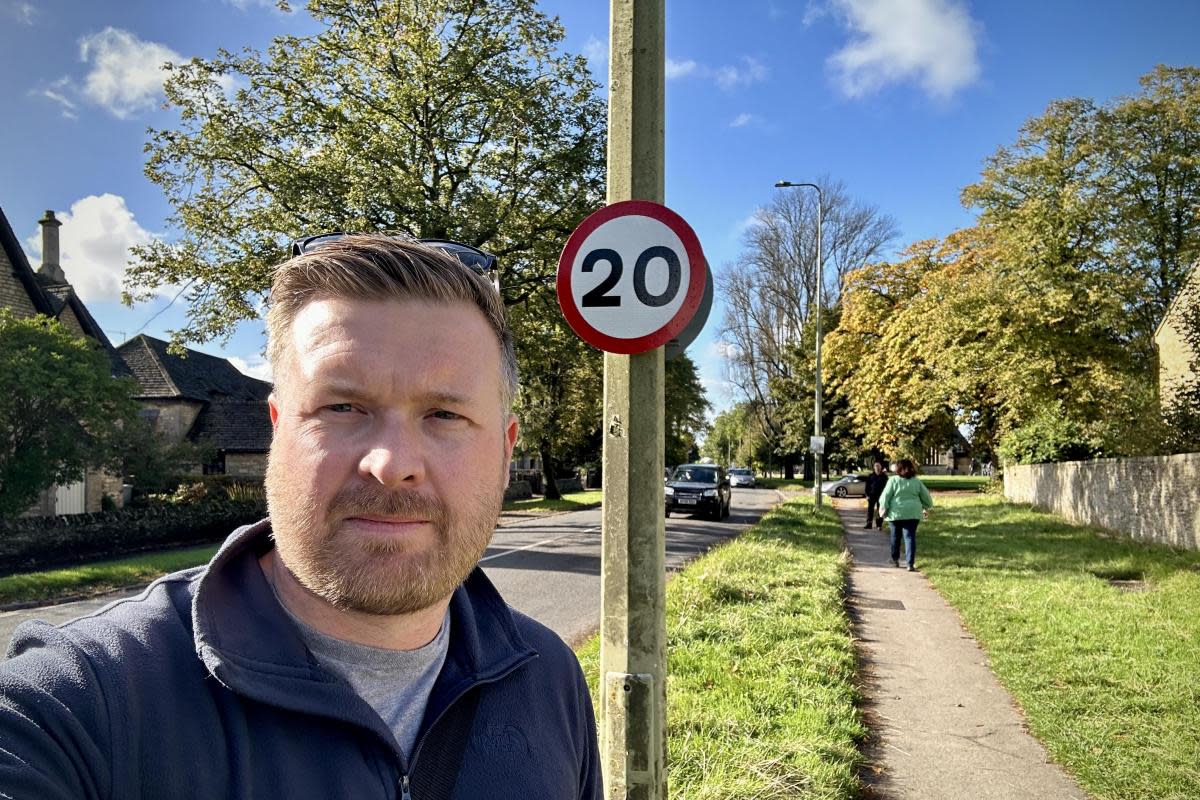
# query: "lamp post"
[817,457]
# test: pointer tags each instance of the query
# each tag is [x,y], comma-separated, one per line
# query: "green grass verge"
[100,576]
[761,695]
[966,482]
[1109,679]
[571,501]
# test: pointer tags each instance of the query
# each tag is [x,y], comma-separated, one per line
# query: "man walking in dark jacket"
[348,645]
[876,482]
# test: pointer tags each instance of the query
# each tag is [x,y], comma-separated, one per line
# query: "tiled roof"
[50,298]
[192,376]
[233,425]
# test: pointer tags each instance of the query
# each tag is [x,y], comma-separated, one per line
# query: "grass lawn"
[1109,679]
[101,576]
[571,501]
[966,482]
[761,695]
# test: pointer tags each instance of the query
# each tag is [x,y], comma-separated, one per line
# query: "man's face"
[391,450]
[878,468]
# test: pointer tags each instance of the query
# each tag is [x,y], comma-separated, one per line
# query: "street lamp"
[817,457]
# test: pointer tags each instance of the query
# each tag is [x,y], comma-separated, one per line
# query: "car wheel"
[839,491]
[668,513]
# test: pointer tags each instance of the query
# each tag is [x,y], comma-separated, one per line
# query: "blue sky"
[900,99]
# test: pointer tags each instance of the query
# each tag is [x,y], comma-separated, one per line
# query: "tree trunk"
[808,467]
[789,468]
[549,470]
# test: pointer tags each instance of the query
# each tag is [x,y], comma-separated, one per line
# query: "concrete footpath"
[942,726]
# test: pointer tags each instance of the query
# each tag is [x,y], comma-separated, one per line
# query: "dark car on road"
[702,488]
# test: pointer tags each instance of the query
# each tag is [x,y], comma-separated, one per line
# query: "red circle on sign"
[697,277]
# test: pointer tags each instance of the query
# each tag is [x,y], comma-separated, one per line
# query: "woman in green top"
[904,503]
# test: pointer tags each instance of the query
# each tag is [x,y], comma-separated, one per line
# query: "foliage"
[1033,327]
[150,462]
[1105,676]
[770,296]
[685,407]
[761,701]
[560,401]
[60,408]
[735,439]
[447,119]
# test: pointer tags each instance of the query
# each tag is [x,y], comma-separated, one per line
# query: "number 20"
[599,297]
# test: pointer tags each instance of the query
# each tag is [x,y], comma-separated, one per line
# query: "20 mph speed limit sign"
[631,277]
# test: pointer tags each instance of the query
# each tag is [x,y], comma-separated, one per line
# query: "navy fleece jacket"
[201,687]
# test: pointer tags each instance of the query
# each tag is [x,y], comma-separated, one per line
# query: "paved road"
[546,567]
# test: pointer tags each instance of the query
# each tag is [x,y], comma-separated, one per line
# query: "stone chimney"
[50,268]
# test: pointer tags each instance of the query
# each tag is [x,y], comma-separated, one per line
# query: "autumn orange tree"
[1033,327]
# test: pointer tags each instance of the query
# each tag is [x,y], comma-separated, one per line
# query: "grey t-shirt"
[396,683]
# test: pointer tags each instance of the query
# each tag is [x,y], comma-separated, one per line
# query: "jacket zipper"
[405,794]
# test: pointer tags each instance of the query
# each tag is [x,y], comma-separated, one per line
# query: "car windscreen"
[695,474]
[739,472]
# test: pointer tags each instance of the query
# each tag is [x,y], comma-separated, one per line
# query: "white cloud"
[678,69]
[728,76]
[742,120]
[23,13]
[94,243]
[596,53]
[242,5]
[57,92]
[254,365]
[126,72]
[750,71]
[930,41]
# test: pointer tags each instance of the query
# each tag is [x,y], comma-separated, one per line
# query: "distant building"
[952,460]
[203,399]
[47,292]
[1175,355]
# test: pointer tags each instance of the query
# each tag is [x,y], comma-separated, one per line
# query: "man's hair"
[877,464]
[905,468]
[381,267]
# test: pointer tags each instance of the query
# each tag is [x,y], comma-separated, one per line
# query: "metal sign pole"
[633,662]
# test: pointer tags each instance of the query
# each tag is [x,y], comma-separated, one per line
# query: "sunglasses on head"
[471,257]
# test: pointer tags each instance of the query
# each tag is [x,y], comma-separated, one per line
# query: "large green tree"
[60,408]
[438,118]
[685,406]
[561,394]
[1034,326]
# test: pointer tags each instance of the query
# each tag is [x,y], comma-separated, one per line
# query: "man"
[876,482]
[348,645]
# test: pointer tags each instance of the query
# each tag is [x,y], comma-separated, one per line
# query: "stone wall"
[246,465]
[175,417]
[1153,499]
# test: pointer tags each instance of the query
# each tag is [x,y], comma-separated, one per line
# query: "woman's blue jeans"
[907,528]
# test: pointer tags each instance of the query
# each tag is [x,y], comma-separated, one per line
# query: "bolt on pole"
[633,661]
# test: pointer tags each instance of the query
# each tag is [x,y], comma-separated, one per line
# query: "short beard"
[372,576]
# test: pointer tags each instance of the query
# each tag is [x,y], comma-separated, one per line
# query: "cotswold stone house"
[1175,356]
[203,399]
[47,292]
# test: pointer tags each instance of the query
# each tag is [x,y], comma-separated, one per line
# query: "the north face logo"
[500,740]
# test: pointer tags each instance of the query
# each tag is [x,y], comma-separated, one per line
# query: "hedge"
[37,542]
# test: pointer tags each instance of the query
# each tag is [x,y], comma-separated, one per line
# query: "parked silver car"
[846,486]
[740,476]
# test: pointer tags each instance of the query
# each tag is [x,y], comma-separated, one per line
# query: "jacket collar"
[250,645]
